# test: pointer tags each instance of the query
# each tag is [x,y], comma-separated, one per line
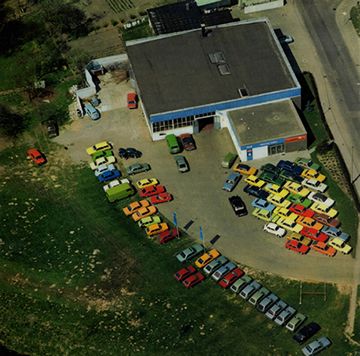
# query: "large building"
[190,79]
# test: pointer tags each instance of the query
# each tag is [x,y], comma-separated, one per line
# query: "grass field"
[78,277]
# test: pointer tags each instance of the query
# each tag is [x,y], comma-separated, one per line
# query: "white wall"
[260,152]
[265,6]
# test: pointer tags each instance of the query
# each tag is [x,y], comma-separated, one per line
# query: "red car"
[168,235]
[326,220]
[193,280]
[36,156]
[152,190]
[301,210]
[297,246]
[184,273]
[231,277]
[161,198]
[314,234]
[132,101]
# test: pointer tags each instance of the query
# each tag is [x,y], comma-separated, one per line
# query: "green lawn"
[78,277]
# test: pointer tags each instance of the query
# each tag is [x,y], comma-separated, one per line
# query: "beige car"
[340,245]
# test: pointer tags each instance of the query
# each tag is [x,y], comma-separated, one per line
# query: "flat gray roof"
[266,122]
[174,71]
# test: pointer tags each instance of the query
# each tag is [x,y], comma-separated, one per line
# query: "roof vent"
[224,69]
[243,92]
[217,57]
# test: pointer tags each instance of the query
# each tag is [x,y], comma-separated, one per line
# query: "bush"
[11,124]
[114,22]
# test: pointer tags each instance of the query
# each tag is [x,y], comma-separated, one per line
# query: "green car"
[149,220]
[298,199]
[271,177]
[99,154]
[268,167]
[307,163]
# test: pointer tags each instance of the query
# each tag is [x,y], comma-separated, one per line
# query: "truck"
[118,192]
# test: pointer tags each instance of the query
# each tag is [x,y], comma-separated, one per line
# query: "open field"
[77,276]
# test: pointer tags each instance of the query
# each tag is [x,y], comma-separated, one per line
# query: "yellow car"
[340,245]
[155,229]
[144,212]
[311,173]
[302,239]
[206,258]
[147,182]
[324,209]
[296,188]
[135,206]
[275,189]
[284,213]
[289,224]
[245,169]
[262,214]
[278,200]
[254,181]
[309,222]
[101,146]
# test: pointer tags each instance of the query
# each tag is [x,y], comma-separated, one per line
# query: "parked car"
[316,346]
[301,210]
[278,200]
[254,181]
[231,277]
[168,235]
[151,190]
[289,224]
[193,280]
[307,163]
[187,142]
[274,229]
[229,160]
[276,309]
[132,100]
[297,246]
[238,205]
[101,161]
[36,156]
[215,264]
[295,321]
[258,296]
[285,315]
[267,302]
[314,234]
[231,181]
[340,245]
[271,177]
[161,198]
[206,258]
[146,182]
[326,220]
[182,164]
[256,192]
[109,175]
[272,188]
[144,212]
[223,270]
[245,169]
[335,232]
[52,128]
[250,289]
[129,153]
[298,199]
[137,168]
[153,219]
[324,209]
[312,173]
[309,222]
[288,175]
[290,166]
[262,214]
[280,212]
[296,188]
[300,238]
[115,183]
[184,273]
[324,248]
[101,146]
[285,39]
[306,332]
[321,198]
[135,206]
[155,229]
[269,167]
[241,283]
[314,184]
[262,204]
[103,168]
[189,252]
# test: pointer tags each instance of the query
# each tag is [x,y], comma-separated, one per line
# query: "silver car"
[285,315]
[249,290]
[137,168]
[260,294]
[276,309]
[316,346]
[295,322]
[214,265]
[190,252]
[182,164]
[220,273]
[267,302]
[241,283]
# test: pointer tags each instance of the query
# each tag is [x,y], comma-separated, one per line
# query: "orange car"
[206,258]
[155,229]
[144,212]
[324,248]
[245,169]
[309,222]
[135,206]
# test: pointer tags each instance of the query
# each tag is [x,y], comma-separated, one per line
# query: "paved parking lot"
[198,196]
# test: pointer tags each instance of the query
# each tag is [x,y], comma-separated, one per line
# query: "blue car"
[256,192]
[262,204]
[231,181]
[334,232]
[290,166]
[109,175]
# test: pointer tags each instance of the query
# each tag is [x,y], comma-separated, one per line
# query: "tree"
[11,124]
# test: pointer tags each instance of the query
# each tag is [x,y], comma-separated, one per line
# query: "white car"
[321,198]
[103,168]
[314,184]
[114,183]
[102,160]
[274,229]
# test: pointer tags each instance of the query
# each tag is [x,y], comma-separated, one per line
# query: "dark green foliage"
[11,124]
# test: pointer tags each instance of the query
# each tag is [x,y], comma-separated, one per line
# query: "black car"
[129,153]
[52,128]
[238,205]
[291,176]
[256,192]
[306,332]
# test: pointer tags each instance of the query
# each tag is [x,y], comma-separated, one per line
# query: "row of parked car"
[292,206]
[230,276]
